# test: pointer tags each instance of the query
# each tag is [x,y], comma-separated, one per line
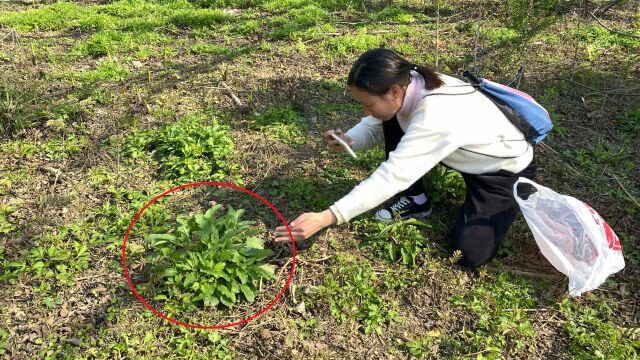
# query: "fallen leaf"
[301,309]
[74,341]
[64,311]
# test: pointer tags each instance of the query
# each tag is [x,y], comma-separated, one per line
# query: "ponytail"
[376,70]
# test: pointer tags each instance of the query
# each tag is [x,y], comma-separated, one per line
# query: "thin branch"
[625,190]
[614,31]
[233,94]
[610,5]
[475,46]
[438,34]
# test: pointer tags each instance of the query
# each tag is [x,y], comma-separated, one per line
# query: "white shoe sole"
[420,215]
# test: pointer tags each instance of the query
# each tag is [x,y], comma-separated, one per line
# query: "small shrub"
[209,260]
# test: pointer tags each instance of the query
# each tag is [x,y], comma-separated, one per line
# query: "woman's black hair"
[376,70]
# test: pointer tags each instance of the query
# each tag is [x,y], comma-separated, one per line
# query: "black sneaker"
[405,207]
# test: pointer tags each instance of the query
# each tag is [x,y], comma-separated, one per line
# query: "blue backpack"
[520,108]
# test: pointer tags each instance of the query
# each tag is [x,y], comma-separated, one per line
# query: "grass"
[124,99]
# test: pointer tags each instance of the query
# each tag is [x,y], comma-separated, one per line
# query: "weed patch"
[351,291]
[186,149]
[58,16]
[347,45]
[592,334]
[502,327]
[400,241]
[280,123]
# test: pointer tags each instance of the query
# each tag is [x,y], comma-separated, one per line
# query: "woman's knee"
[477,243]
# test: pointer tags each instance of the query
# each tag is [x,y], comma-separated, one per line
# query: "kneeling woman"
[425,118]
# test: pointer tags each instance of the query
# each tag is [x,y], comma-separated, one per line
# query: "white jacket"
[460,131]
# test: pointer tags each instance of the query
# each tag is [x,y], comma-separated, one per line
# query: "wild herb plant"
[209,260]
[352,295]
[400,241]
[186,149]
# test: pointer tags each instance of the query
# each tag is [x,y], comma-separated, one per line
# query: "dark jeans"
[488,211]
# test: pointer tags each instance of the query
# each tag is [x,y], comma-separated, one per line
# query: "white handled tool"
[344,144]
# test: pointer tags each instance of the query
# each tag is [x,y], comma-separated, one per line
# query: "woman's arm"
[424,145]
[366,134]
[305,225]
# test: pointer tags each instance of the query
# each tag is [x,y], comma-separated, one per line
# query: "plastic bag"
[572,236]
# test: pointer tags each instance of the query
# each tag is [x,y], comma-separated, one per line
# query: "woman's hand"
[305,225]
[334,144]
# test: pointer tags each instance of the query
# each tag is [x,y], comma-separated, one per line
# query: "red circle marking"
[126,272]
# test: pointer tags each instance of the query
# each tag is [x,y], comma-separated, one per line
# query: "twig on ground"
[520,272]
[613,31]
[625,190]
[547,147]
[11,33]
[609,5]
[233,94]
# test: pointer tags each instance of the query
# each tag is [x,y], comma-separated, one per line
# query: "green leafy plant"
[299,191]
[54,262]
[282,123]
[445,184]
[107,70]
[6,225]
[630,121]
[4,341]
[209,260]
[197,18]
[503,327]
[352,295]
[345,45]
[592,333]
[423,346]
[186,149]
[400,241]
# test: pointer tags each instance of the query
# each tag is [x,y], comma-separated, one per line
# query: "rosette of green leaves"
[208,260]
